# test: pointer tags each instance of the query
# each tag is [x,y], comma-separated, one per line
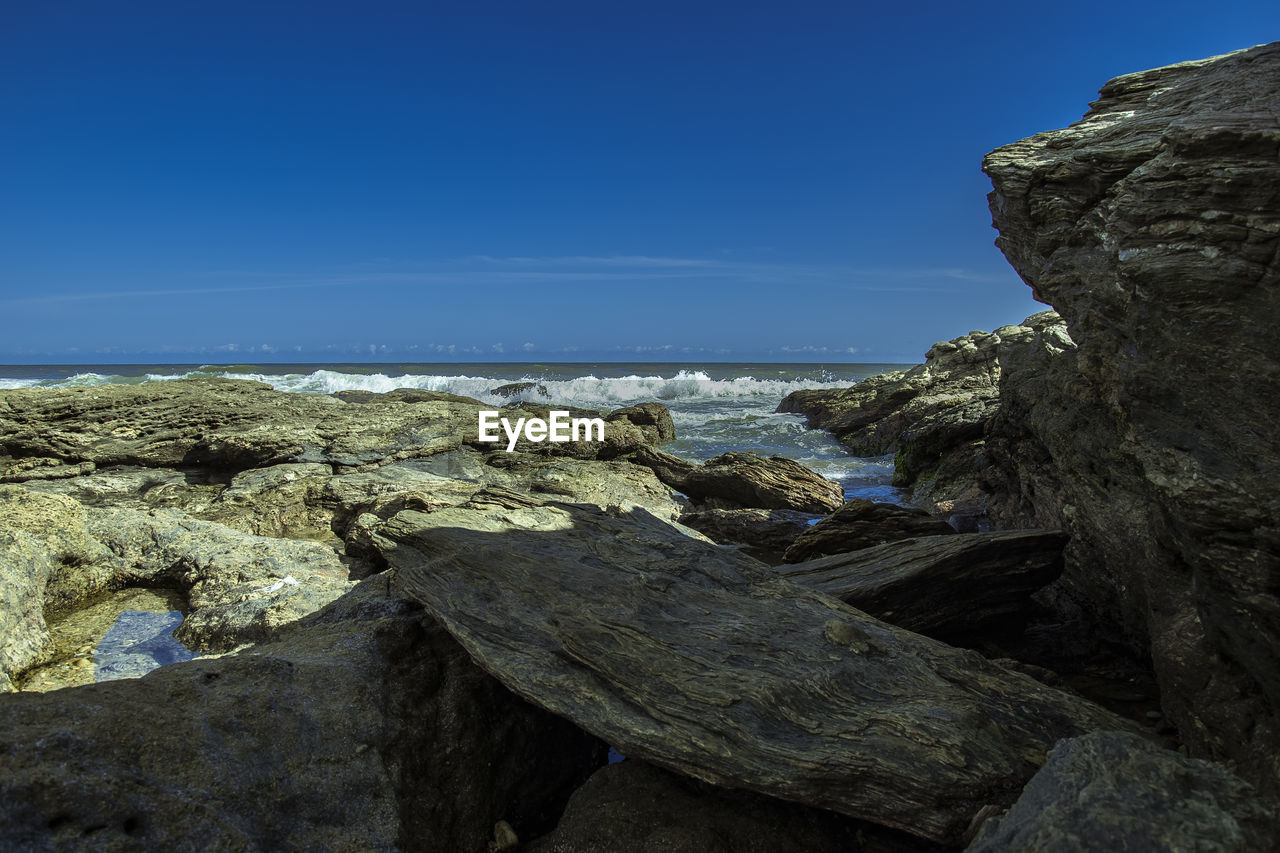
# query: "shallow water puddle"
[123,634]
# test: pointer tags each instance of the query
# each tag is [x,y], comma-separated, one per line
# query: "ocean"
[717,407]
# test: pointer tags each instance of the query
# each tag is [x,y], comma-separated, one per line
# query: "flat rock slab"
[704,661]
[940,585]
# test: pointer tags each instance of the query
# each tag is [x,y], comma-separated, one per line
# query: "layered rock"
[734,480]
[1152,226]
[1110,790]
[933,417]
[862,524]
[942,586]
[703,660]
[765,533]
[365,728]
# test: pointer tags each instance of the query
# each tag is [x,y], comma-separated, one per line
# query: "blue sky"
[791,181]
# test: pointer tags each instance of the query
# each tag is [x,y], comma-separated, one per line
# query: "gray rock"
[766,533]
[1116,791]
[1151,225]
[365,728]
[940,585]
[862,524]
[633,807]
[702,660]
[744,480]
[24,573]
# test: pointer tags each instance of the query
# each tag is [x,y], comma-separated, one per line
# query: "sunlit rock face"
[1153,227]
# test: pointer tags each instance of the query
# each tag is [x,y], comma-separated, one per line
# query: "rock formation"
[735,480]
[1109,790]
[703,660]
[1152,225]
[940,585]
[862,524]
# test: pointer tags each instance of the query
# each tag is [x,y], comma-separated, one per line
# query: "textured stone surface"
[1115,791]
[766,533]
[365,728]
[24,573]
[940,585]
[703,660]
[862,524]
[633,807]
[744,480]
[931,417]
[1153,225]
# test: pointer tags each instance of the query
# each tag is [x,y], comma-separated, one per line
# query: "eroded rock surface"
[735,480]
[703,660]
[940,585]
[1110,791]
[1152,225]
[862,524]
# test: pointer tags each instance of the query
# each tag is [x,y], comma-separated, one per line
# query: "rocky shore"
[410,639]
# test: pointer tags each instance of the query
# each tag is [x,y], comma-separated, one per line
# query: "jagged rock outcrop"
[703,660]
[942,586]
[932,417]
[862,524]
[633,807]
[1153,225]
[365,728]
[1113,791]
[734,480]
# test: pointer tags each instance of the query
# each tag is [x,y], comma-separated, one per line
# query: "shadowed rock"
[366,728]
[633,807]
[939,585]
[1112,791]
[704,661]
[766,533]
[861,524]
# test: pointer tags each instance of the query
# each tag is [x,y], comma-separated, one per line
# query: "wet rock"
[1110,790]
[633,807]
[513,389]
[703,660]
[940,585]
[767,533]
[241,588]
[364,728]
[862,524]
[404,395]
[1151,225]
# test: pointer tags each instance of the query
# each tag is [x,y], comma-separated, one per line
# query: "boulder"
[1117,791]
[512,389]
[940,585]
[766,533]
[861,524]
[745,480]
[1152,226]
[652,419]
[364,728]
[405,395]
[704,661]
[633,807]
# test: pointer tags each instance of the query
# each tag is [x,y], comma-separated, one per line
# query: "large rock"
[931,417]
[1116,791]
[702,660]
[1152,226]
[862,524]
[25,568]
[940,585]
[365,728]
[737,480]
[633,807]
[765,533]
